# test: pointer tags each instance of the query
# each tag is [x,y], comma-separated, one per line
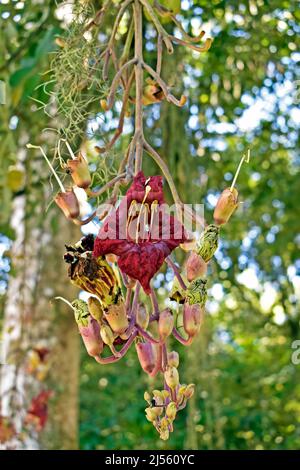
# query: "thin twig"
[164,87]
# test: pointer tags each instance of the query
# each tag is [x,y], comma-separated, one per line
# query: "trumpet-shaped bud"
[165,324]
[197,292]
[189,391]
[79,171]
[173,359]
[95,308]
[208,242]
[107,335]
[88,328]
[142,317]
[68,203]
[151,414]
[195,267]
[147,356]
[91,337]
[117,318]
[192,318]
[171,377]
[226,205]
[171,411]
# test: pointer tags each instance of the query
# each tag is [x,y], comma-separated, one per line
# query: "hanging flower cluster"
[135,240]
[139,235]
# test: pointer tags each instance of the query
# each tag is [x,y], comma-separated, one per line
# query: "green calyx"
[208,242]
[197,292]
[81,312]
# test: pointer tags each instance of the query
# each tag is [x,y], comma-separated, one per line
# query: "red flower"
[140,231]
[37,413]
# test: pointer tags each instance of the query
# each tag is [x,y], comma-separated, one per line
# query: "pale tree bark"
[32,319]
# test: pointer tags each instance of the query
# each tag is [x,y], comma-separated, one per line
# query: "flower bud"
[192,318]
[68,203]
[158,397]
[151,414]
[195,267]
[88,328]
[165,394]
[171,411]
[177,292]
[165,324]
[142,317]
[117,318]
[171,377]
[107,335]
[79,171]
[91,337]
[208,242]
[197,292]
[95,308]
[164,435]
[147,397]
[147,356]
[173,359]
[189,391]
[226,205]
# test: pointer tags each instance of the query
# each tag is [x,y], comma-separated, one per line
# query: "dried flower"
[79,171]
[192,318]
[116,317]
[171,411]
[208,242]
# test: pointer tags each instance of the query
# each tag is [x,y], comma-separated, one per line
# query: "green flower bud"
[150,414]
[107,335]
[208,242]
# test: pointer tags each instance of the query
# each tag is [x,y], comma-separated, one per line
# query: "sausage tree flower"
[140,232]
